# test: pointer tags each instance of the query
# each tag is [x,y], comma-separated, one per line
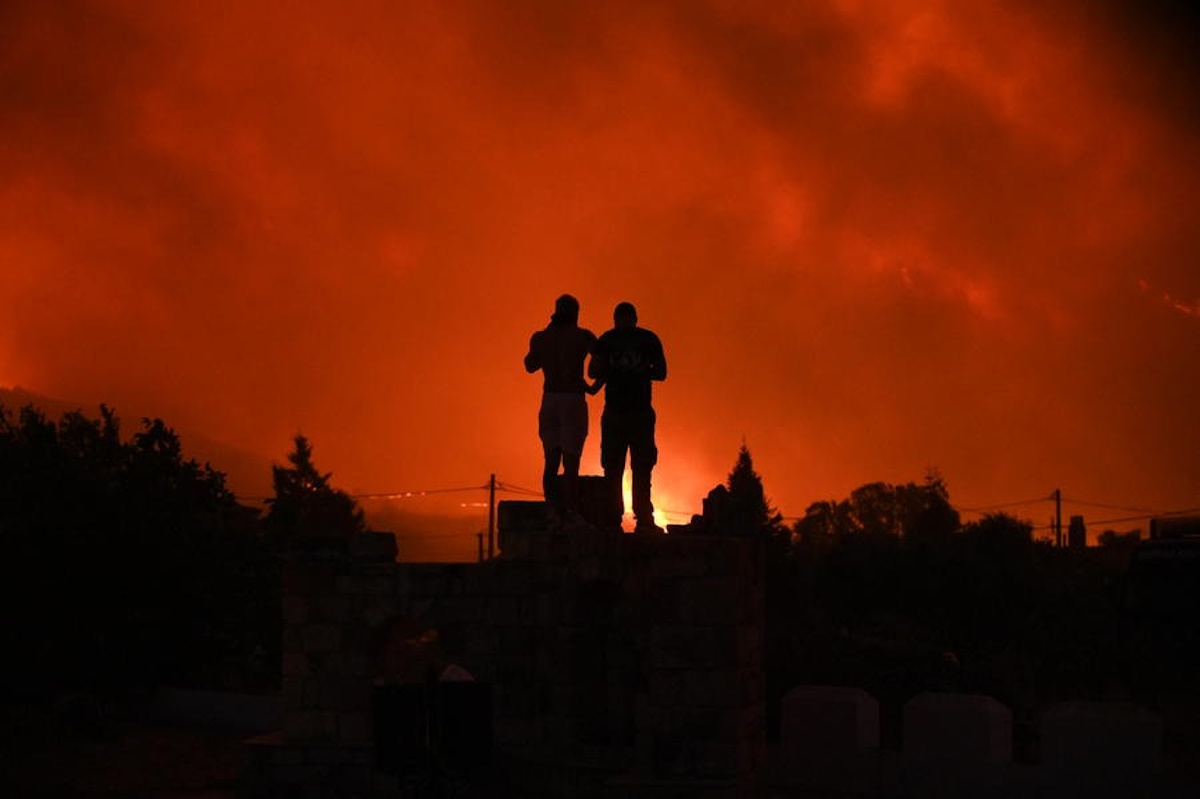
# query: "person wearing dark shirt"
[559,351]
[627,359]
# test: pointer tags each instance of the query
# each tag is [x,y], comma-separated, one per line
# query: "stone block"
[379,586]
[665,687]
[373,546]
[661,605]
[385,784]
[481,641]
[344,693]
[420,580]
[347,664]
[712,688]
[515,698]
[351,584]
[723,759]
[729,556]
[516,578]
[296,664]
[515,639]
[671,565]
[299,775]
[516,515]
[329,755]
[1097,738]
[818,721]
[547,609]
[513,731]
[295,610]
[686,723]
[321,637]
[377,610]
[600,501]
[306,578]
[712,600]
[286,755]
[829,740]
[962,730]
[513,545]
[332,608]
[459,609]
[689,646]
[502,610]
[293,638]
[355,727]
[291,692]
[303,725]
[372,569]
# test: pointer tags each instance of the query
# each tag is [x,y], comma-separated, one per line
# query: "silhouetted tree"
[926,517]
[822,521]
[128,565]
[996,531]
[748,512]
[921,513]
[1115,540]
[305,505]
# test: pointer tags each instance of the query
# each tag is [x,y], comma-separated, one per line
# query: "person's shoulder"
[648,335]
[610,338]
[584,333]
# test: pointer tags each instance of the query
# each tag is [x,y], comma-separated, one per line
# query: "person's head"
[625,315]
[566,310]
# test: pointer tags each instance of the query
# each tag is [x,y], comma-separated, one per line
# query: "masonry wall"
[620,665]
[627,666]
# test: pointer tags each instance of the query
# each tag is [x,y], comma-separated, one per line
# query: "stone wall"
[619,665]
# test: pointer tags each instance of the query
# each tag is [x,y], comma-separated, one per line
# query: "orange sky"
[875,237]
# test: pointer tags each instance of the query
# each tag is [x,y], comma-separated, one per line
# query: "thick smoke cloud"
[875,237]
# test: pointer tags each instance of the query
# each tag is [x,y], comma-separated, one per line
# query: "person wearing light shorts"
[559,351]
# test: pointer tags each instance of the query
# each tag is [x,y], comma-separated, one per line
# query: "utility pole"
[1058,518]
[492,517]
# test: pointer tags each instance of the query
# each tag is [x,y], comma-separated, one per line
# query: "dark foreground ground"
[135,760]
[151,760]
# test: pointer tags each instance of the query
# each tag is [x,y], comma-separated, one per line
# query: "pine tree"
[305,505]
[749,511]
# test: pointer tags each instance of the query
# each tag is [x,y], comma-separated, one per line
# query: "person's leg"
[575,429]
[643,454]
[613,444]
[550,477]
[550,433]
[570,482]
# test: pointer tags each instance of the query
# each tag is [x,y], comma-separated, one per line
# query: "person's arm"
[658,362]
[597,362]
[533,358]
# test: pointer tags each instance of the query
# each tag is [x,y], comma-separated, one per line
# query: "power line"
[415,494]
[412,494]
[1109,507]
[515,489]
[1002,505]
[1140,517]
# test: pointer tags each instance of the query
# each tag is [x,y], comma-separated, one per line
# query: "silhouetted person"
[559,352]
[627,359]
